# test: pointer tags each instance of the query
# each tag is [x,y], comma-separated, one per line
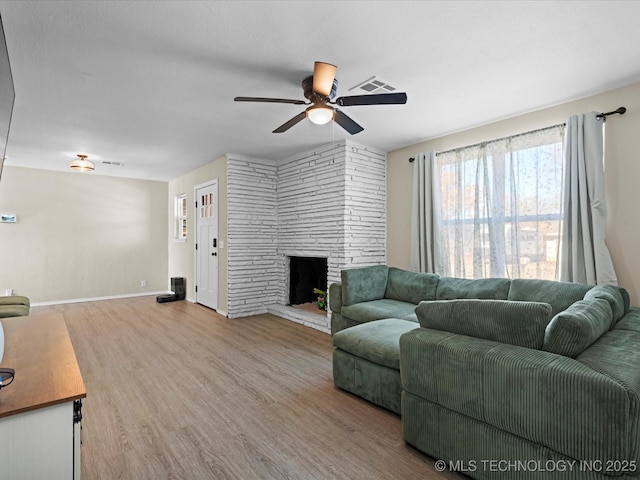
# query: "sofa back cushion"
[364,284]
[571,331]
[517,323]
[452,288]
[611,294]
[560,295]
[411,287]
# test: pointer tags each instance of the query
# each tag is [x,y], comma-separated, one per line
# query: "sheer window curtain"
[489,210]
[584,256]
[425,217]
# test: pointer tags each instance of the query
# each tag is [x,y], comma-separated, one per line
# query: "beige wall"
[182,254]
[622,170]
[81,236]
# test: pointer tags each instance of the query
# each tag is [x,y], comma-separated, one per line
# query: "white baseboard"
[97,299]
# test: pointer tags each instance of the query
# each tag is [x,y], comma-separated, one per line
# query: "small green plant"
[322,295]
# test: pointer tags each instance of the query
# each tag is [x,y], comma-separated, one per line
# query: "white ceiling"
[151,84]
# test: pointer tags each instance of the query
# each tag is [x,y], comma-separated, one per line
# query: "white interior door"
[207,244]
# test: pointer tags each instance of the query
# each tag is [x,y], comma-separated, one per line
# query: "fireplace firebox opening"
[305,274]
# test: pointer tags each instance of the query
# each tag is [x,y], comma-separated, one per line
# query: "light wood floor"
[175,391]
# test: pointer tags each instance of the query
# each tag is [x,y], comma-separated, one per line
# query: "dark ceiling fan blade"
[347,122]
[374,99]
[287,125]
[323,76]
[269,100]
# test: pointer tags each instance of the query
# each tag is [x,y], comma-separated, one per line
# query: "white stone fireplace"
[328,203]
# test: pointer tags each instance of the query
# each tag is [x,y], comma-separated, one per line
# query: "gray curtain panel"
[584,257]
[425,221]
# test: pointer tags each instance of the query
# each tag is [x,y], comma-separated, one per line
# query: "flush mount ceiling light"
[320,114]
[82,164]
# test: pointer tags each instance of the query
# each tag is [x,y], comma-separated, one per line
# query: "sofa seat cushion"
[412,318]
[451,288]
[631,321]
[516,323]
[560,295]
[378,309]
[570,332]
[378,342]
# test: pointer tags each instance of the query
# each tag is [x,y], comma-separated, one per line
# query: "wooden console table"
[40,411]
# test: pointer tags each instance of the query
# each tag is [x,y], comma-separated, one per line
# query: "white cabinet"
[40,411]
[39,444]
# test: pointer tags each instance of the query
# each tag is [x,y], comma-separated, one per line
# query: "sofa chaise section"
[529,404]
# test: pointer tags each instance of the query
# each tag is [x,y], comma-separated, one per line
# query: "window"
[181,216]
[501,207]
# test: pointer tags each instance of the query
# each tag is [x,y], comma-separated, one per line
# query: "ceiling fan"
[320,90]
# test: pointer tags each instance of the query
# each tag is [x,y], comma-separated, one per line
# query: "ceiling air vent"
[374,85]
[115,164]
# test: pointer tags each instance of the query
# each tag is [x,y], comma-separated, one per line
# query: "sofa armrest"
[335,297]
[551,400]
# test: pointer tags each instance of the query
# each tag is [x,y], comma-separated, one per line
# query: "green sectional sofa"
[498,378]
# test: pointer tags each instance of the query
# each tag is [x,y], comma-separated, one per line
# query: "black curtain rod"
[619,111]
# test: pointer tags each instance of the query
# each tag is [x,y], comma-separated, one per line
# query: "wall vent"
[115,164]
[374,85]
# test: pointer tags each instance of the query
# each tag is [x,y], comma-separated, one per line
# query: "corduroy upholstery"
[582,409]
[364,284]
[481,450]
[366,361]
[573,330]
[378,292]
[464,398]
[377,309]
[557,294]
[516,323]
[450,288]
[411,287]
[611,294]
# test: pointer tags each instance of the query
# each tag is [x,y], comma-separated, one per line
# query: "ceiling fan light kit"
[320,89]
[320,114]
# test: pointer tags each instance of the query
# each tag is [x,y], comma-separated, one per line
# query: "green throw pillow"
[612,295]
[570,332]
[516,323]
